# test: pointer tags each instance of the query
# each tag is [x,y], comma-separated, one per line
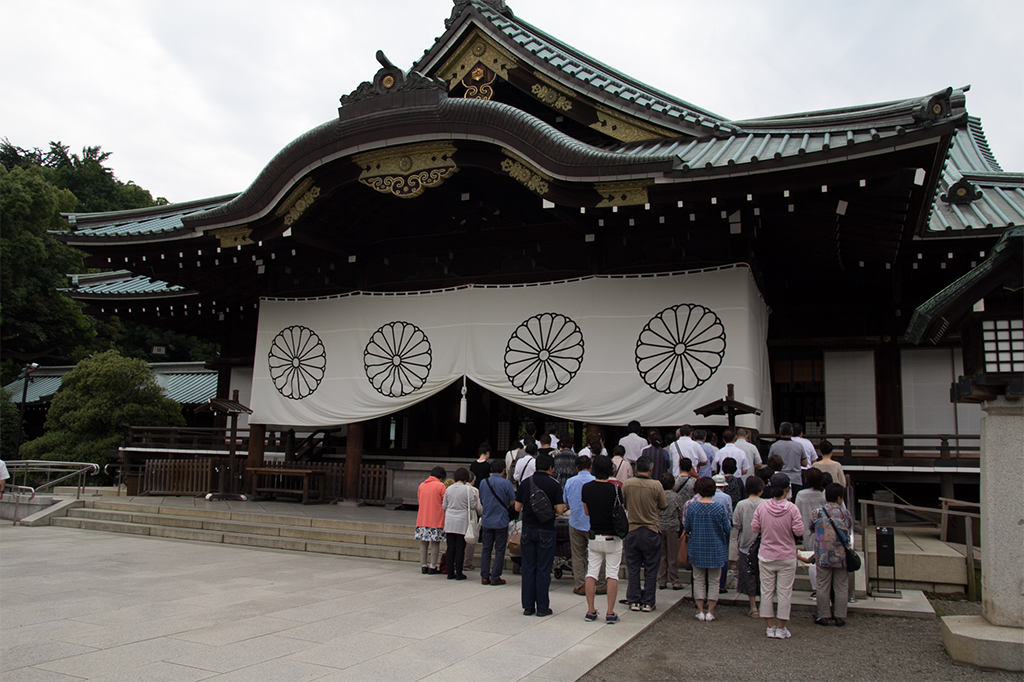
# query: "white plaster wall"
[850,393]
[927,375]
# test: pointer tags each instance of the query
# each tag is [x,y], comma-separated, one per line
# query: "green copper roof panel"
[120,283]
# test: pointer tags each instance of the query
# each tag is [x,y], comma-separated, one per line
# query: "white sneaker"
[783,633]
[709,617]
[700,616]
[770,632]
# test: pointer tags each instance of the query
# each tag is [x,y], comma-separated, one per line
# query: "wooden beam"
[353,460]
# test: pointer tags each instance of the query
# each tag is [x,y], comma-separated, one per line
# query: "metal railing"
[973,591]
[27,467]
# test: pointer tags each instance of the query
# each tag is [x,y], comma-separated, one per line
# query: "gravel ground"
[734,647]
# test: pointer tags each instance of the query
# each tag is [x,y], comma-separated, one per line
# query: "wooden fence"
[178,476]
[197,477]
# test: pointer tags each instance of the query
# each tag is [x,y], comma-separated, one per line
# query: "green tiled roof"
[145,222]
[120,284]
[971,166]
[935,316]
[188,383]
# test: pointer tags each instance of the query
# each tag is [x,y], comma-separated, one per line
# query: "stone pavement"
[78,604]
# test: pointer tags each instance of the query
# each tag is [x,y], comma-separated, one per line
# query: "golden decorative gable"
[476,49]
[234,236]
[629,193]
[626,129]
[409,170]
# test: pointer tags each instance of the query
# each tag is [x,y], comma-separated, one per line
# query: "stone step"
[362,527]
[288,534]
[356,549]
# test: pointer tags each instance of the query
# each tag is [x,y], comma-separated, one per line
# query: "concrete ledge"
[58,510]
[264,541]
[186,511]
[185,534]
[974,641]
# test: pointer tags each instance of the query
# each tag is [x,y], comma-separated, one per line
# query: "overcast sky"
[193,98]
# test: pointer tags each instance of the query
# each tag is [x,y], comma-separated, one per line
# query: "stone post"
[1002,512]
[995,640]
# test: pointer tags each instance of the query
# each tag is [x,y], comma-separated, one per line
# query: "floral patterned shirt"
[829,550]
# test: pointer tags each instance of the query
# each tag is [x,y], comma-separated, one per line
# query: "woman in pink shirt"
[778,521]
[430,520]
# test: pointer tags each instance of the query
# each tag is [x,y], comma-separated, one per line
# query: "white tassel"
[463,405]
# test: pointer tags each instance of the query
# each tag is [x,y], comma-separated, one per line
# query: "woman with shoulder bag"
[831,525]
[459,500]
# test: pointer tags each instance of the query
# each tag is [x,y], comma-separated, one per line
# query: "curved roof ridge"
[571,67]
[865,112]
[981,144]
[150,212]
[625,77]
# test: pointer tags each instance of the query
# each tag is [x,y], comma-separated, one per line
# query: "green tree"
[37,322]
[100,394]
[8,424]
[94,184]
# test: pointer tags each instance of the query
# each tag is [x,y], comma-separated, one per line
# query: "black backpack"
[540,503]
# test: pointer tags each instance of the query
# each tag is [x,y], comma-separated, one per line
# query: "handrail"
[972,577]
[948,502]
[43,466]
[942,448]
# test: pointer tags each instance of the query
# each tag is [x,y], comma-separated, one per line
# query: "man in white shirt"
[526,465]
[589,450]
[690,448]
[633,442]
[730,451]
[808,446]
[753,454]
[553,432]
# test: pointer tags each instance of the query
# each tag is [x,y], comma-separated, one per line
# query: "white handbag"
[473,526]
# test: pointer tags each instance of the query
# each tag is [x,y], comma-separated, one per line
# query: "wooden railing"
[892,446]
[178,476]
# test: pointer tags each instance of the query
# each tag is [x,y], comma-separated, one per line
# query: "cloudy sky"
[194,97]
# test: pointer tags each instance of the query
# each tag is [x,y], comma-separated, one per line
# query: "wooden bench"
[274,479]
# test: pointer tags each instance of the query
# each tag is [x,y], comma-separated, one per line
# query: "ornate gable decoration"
[407,171]
[963,191]
[477,63]
[389,80]
[498,6]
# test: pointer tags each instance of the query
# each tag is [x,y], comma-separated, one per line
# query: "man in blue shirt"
[496,496]
[579,527]
[705,469]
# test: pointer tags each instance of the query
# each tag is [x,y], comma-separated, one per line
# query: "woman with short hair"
[459,500]
[831,526]
[708,524]
[430,520]
[778,521]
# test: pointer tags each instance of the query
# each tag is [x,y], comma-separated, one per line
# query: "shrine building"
[515,230]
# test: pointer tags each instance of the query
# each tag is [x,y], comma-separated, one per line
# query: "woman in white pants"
[777,520]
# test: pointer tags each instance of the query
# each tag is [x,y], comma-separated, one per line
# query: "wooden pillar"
[353,460]
[257,443]
[888,395]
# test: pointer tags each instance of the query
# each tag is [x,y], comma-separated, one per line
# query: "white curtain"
[602,349]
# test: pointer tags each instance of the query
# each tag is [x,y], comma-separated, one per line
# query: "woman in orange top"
[430,520]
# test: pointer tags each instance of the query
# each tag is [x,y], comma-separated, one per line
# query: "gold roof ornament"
[407,171]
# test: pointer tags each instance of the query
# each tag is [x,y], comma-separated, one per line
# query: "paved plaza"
[78,604]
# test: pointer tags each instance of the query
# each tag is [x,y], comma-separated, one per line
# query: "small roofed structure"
[985,307]
[728,406]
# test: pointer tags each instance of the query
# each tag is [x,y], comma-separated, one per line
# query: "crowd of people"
[654,505]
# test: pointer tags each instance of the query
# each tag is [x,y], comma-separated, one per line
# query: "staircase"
[295,533]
